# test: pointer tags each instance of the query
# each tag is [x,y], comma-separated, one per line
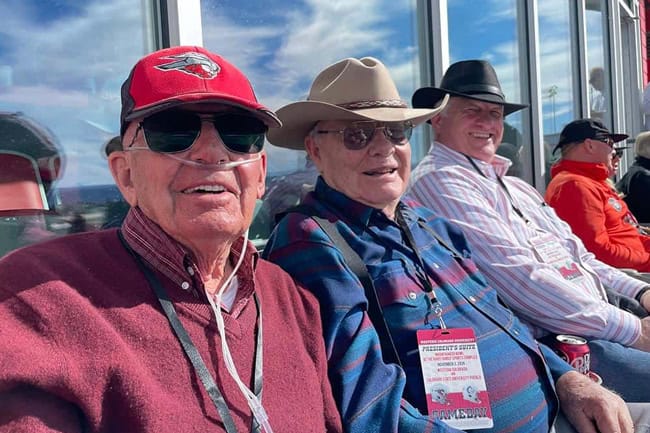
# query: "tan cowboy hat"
[351,89]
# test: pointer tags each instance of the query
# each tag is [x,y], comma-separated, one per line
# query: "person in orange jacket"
[582,196]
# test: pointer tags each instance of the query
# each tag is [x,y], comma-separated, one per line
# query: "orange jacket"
[581,196]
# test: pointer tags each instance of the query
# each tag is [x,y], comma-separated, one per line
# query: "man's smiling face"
[375,175]
[469,126]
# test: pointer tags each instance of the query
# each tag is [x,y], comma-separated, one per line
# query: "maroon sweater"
[85,346]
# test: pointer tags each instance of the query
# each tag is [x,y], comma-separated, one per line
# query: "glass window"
[494,36]
[61,66]
[282,45]
[560,100]
[598,79]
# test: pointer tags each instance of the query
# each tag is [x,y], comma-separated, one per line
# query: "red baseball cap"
[175,76]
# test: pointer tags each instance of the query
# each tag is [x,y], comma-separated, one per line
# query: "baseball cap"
[582,129]
[180,75]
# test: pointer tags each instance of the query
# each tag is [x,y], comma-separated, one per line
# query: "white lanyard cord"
[253,402]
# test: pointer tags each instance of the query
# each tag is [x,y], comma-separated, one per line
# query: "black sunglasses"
[359,134]
[176,131]
[618,153]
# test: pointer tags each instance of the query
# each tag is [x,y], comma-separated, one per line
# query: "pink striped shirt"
[447,182]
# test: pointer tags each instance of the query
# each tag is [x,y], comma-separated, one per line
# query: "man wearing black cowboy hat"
[540,269]
[582,194]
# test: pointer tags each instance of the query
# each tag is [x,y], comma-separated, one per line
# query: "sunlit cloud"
[282,58]
[66,71]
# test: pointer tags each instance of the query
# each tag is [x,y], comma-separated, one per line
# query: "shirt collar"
[173,260]
[592,170]
[497,167]
[346,208]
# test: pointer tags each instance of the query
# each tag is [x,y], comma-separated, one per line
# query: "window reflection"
[495,37]
[281,52]
[61,66]
[558,73]
[599,102]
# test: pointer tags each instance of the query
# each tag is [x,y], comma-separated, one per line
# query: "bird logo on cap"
[192,63]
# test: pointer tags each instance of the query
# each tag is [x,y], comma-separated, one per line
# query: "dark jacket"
[636,187]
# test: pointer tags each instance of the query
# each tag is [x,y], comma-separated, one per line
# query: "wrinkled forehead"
[462,102]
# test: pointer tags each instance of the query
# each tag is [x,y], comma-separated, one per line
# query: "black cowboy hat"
[473,79]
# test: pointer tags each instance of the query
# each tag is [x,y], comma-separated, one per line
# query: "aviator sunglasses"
[359,134]
[175,131]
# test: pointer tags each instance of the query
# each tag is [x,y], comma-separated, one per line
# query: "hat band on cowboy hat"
[472,79]
[351,89]
[398,103]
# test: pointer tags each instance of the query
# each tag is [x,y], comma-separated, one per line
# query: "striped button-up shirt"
[368,391]
[501,240]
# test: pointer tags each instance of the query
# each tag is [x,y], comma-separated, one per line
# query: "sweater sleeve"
[30,382]
[31,410]
[583,208]
[368,391]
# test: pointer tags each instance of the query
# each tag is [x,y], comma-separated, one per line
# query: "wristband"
[641,293]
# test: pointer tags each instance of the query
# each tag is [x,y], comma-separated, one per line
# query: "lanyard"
[505,189]
[192,352]
[435,306]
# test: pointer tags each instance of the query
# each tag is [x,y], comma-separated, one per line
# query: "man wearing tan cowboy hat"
[389,273]
[529,255]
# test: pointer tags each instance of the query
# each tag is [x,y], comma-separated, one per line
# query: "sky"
[62,61]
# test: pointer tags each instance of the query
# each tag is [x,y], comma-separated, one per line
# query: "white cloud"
[65,72]
[299,42]
[77,60]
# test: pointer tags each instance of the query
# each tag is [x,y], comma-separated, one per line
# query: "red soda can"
[574,350]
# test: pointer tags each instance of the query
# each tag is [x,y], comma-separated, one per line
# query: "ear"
[589,145]
[261,182]
[313,150]
[435,122]
[120,166]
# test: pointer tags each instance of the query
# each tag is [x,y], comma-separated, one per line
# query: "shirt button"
[472,299]
[185,285]
[515,332]
[190,270]
[435,265]
[413,295]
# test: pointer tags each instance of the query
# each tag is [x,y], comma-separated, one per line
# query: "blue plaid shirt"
[518,372]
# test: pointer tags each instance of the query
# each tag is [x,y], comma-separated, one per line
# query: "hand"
[590,408]
[643,342]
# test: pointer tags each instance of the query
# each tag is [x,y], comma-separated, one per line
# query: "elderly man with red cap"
[157,326]
[417,340]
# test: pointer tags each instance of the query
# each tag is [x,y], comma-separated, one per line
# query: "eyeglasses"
[608,141]
[175,131]
[359,134]
[618,153]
